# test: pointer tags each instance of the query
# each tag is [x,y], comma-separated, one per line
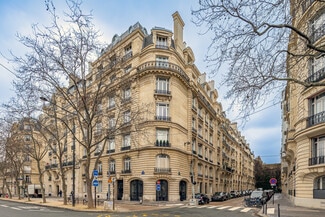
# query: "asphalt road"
[232,208]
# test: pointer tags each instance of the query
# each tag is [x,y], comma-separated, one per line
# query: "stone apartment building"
[189,146]
[303,146]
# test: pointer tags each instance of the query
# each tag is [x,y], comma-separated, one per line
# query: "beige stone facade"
[303,148]
[185,136]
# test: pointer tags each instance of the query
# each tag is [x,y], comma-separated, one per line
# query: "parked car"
[233,194]
[257,198]
[202,198]
[219,196]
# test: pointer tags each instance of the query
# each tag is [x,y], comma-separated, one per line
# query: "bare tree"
[251,44]
[56,71]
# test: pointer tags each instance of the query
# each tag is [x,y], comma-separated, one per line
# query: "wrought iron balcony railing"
[316,160]
[316,119]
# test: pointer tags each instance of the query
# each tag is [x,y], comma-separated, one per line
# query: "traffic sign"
[158,187]
[95,172]
[273,181]
[158,182]
[95,182]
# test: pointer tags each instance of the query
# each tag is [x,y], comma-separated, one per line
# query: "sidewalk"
[270,209]
[120,206]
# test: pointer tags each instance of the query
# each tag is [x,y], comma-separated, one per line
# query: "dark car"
[202,198]
[257,198]
[219,196]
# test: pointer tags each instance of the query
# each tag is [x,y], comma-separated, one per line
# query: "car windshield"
[256,194]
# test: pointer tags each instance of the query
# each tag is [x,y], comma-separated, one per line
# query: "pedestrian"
[60,193]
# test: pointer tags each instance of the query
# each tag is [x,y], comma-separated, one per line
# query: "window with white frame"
[127,93]
[127,116]
[161,42]
[162,136]
[112,166]
[317,27]
[99,147]
[128,49]
[318,147]
[162,62]
[200,150]
[162,85]
[200,130]
[316,110]
[84,152]
[199,169]
[126,140]
[111,122]
[162,161]
[194,144]
[111,101]
[317,65]
[99,128]
[100,168]
[211,138]
[84,187]
[319,183]
[162,111]
[194,102]
[128,69]
[111,144]
[127,164]
[193,123]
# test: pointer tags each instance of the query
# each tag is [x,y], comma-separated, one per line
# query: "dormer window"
[161,42]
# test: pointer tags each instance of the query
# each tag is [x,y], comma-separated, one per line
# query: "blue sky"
[262,131]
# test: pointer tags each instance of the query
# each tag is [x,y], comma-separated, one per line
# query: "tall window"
[100,168]
[98,128]
[162,161]
[111,123]
[128,49]
[111,101]
[161,42]
[127,93]
[111,144]
[162,137]
[200,150]
[193,145]
[126,140]
[127,116]
[162,111]
[318,147]
[316,64]
[112,166]
[162,85]
[317,27]
[100,186]
[127,164]
[317,109]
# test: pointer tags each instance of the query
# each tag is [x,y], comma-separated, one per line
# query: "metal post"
[278,210]
[113,196]
[266,208]
[95,196]
[73,168]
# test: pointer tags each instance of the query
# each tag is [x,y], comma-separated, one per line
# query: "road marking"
[211,207]
[200,207]
[223,207]
[246,210]
[15,208]
[234,208]
[4,206]
[270,210]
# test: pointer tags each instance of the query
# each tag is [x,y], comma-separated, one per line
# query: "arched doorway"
[182,190]
[162,192]
[136,190]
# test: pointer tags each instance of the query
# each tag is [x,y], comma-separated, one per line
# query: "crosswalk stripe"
[234,208]
[246,210]
[270,210]
[223,207]
[4,206]
[15,208]
[211,207]
[200,207]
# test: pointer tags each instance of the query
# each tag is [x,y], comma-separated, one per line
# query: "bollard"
[278,210]
[265,208]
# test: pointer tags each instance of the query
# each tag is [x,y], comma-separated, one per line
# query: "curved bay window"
[319,188]
[316,110]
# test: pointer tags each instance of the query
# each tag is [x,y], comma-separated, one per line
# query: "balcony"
[162,46]
[163,65]
[162,143]
[128,171]
[162,118]
[162,92]
[316,160]
[125,148]
[316,119]
[110,151]
[162,170]
[317,76]
[127,56]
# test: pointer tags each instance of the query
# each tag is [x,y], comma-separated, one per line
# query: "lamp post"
[73,166]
